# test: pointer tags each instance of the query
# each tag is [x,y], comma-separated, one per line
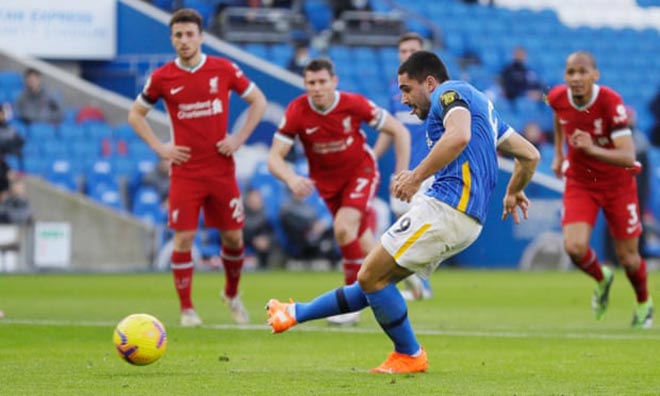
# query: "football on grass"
[140,339]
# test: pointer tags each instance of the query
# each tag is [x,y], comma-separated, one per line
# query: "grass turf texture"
[486,333]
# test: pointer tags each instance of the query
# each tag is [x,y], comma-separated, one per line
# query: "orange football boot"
[399,363]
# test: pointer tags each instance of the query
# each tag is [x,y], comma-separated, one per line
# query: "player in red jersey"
[599,172]
[342,166]
[195,88]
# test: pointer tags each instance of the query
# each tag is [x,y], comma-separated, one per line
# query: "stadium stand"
[474,40]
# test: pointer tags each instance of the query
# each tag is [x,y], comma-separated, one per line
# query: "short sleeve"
[239,82]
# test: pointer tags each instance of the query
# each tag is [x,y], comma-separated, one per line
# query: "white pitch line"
[495,333]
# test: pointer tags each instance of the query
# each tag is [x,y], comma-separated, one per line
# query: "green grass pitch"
[486,333]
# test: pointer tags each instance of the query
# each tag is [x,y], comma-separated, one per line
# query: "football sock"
[638,281]
[182,269]
[589,265]
[342,300]
[352,255]
[232,260]
[391,313]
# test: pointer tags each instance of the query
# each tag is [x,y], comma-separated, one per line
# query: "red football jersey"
[197,100]
[333,141]
[605,119]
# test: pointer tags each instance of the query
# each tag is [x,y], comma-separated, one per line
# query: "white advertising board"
[52,245]
[59,29]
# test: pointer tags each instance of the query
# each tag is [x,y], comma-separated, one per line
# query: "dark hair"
[409,37]
[31,71]
[319,64]
[587,55]
[422,64]
[186,15]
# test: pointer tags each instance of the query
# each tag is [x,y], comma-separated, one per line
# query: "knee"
[366,281]
[576,250]
[344,233]
[184,241]
[232,240]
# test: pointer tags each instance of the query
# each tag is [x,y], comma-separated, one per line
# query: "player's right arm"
[137,117]
[300,186]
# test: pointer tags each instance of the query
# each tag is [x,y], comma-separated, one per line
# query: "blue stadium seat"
[204,7]
[11,80]
[124,132]
[98,130]
[318,13]
[40,131]
[36,165]
[100,178]
[147,206]
[109,197]
[61,175]
[71,132]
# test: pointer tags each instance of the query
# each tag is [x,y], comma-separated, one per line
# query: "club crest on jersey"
[347,124]
[598,126]
[448,98]
[213,85]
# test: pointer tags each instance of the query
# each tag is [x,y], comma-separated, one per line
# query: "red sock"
[638,281]
[182,269]
[352,255]
[590,266]
[232,260]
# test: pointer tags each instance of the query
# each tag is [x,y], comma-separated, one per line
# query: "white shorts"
[400,207]
[430,232]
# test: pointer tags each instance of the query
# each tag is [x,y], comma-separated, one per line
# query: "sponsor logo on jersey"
[309,131]
[199,109]
[449,97]
[176,90]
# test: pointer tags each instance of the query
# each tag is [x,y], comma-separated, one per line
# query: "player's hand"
[636,169]
[557,164]
[300,186]
[176,154]
[513,201]
[405,185]
[581,140]
[228,145]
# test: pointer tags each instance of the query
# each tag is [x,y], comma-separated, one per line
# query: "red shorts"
[358,193]
[620,206]
[220,198]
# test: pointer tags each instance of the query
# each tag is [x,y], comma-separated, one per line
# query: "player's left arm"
[526,158]
[256,107]
[398,133]
[623,153]
[452,143]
